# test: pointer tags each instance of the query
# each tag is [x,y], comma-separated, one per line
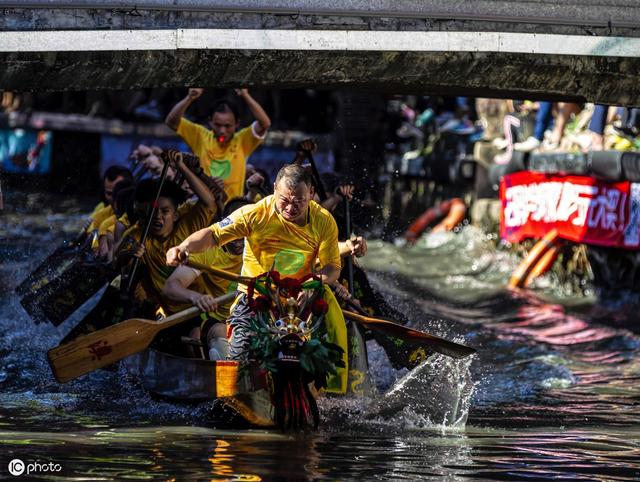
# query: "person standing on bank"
[223,150]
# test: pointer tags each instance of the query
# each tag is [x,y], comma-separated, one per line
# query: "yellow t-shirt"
[228,163]
[124,220]
[272,241]
[99,207]
[108,225]
[193,217]
[99,216]
[214,285]
[293,250]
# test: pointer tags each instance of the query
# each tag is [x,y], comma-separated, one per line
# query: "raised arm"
[195,183]
[178,111]
[256,109]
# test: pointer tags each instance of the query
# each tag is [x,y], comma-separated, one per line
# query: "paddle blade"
[104,347]
[402,353]
[402,335]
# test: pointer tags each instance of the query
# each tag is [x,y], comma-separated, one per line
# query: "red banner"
[582,209]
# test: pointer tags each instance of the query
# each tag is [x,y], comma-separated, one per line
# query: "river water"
[552,393]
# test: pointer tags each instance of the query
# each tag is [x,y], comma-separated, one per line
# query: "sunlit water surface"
[552,393]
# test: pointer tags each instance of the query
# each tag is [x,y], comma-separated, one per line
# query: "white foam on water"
[436,395]
[438,390]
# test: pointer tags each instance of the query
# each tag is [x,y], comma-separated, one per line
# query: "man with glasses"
[289,232]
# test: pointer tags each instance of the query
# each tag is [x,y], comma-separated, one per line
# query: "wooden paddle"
[394,330]
[315,176]
[104,347]
[410,348]
[388,328]
[243,280]
[129,279]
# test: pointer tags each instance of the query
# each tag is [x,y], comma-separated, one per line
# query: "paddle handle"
[154,207]
[349,259]
[183,315]
[351,302]
[178,317]
[219,272]
[322,192]
[361,318]
[367,320]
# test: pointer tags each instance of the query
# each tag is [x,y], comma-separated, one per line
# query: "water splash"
[438,392]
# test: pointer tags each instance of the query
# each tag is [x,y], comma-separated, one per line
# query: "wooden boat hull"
[196,380]
[246,391]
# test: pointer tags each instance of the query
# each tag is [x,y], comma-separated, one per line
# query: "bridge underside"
[601,79]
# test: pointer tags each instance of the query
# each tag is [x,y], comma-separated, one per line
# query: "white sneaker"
[527,146]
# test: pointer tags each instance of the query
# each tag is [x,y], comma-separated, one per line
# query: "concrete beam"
[577,50]
[318,40]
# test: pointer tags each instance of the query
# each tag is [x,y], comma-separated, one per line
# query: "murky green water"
[552,394]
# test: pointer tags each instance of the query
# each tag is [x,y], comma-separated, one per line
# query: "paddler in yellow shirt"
[223,150]
[112,176]
[289,232]
[122,196]
[193,287]
[172,221]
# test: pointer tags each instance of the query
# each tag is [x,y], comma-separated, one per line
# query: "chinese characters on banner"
[582,209]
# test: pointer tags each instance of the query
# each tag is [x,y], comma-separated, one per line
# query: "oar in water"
[388,328]
[115,303]
[411,336]
[104,347]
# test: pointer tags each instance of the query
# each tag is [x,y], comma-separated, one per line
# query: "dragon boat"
[298,347]
[245,390]
[291,358]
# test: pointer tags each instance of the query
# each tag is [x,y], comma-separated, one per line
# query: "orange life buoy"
[539,260]
[454,209]
[456,214]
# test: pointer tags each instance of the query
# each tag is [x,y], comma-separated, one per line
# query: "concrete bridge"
[574,50]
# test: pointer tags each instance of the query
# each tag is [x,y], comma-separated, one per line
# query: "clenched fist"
[194,93]
[177,255]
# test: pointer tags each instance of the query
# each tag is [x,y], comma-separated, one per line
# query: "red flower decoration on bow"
[261,303]
[275,277]
[319,307]
[291,285]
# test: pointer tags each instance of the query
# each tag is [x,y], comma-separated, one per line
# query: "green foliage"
[321,358]
[318,356]
[263,346]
